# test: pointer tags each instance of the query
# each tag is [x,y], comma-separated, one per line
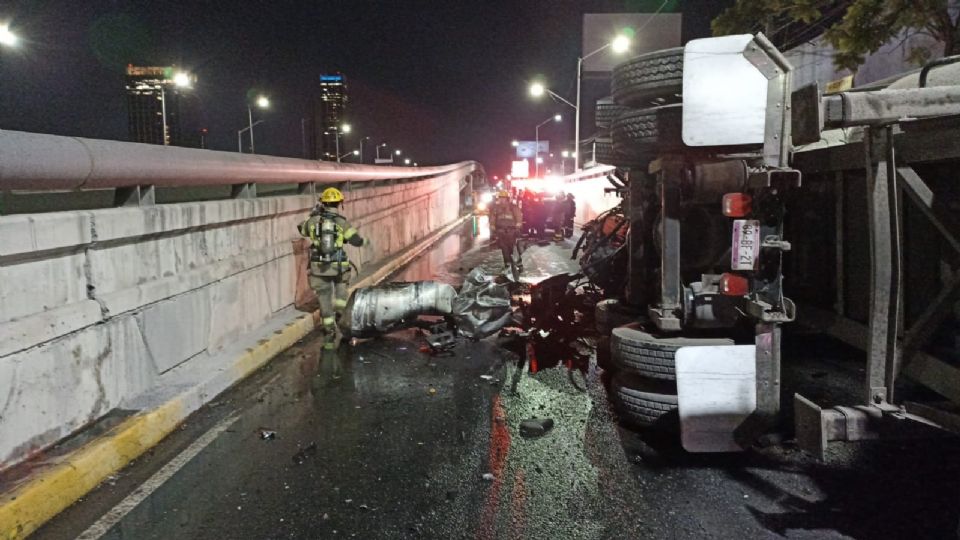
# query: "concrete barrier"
[117,308]
[587,187]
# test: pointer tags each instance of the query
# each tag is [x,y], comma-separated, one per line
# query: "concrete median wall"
[587,188]
[96,306]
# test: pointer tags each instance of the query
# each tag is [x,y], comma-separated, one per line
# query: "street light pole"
[536,156]
[576,123]
[337,142]
[163,113]
[619,44]
[250,127]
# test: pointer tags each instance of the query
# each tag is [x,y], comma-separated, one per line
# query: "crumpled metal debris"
[481,308]
[483,305]
[381,309]
[267,434]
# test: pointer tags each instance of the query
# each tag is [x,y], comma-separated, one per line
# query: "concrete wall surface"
[97,305]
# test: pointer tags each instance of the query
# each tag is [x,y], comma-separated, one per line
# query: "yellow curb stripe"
[26,508]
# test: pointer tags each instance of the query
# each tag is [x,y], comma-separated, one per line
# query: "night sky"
[444,81]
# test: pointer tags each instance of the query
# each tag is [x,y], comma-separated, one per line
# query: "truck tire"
[641,353]
[640,80]
[608,314]
[647,133]
[643,402]
[604,154]
[606,112]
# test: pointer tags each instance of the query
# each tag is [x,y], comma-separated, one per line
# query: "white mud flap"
[717,390]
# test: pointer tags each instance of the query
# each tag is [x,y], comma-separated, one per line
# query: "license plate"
[746,244]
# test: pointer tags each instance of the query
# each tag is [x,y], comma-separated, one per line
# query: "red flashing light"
[734,285]
[737,205]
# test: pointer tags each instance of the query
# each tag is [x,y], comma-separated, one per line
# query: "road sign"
[528,149]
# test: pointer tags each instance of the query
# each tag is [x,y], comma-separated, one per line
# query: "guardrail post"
[244,191]
[135,196]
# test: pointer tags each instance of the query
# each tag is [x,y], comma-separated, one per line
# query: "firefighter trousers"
[332,295]
[507,240]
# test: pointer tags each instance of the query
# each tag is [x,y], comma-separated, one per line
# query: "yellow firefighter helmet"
[331,195]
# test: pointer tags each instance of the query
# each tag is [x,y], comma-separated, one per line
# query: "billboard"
[528,149]
[648,32]
[520,169]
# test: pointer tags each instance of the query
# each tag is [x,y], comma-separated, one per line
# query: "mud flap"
[717,391]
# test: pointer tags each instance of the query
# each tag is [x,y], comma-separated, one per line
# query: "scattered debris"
[488,477]
[267,434]
[535,427]
[305,453]
[364,507]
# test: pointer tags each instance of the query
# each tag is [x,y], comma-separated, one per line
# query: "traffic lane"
[367,444]
[587,478]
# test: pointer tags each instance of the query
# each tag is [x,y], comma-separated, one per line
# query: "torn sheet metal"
[483,305]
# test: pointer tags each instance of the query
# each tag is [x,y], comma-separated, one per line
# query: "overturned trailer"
[718,153]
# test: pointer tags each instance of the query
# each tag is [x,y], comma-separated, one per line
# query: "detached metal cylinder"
[380,309]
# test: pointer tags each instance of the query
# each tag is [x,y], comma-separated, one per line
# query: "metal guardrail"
[38,162]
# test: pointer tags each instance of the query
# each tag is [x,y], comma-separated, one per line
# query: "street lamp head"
[356,152]
[182,80]
[7,37]
[565,153]
[406,161]
[620,44]
[397,151]
[515,143]
[537,89]
[346,128]
[263,102]
[557,117]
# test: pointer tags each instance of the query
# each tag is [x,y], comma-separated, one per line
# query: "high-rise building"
[153,100]
[327,111]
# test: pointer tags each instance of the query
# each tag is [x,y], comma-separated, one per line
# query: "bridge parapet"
[98,307]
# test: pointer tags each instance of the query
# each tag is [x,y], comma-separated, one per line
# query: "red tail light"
[734,285]
[737,205]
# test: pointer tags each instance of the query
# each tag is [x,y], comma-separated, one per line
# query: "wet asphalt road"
[383,441]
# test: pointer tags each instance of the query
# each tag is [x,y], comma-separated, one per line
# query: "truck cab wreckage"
[713,148]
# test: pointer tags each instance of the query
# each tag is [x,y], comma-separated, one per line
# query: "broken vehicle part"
[482,307]
[381,309]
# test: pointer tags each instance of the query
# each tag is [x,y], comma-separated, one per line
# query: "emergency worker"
[538,214]
[571,213]
[509,222]
[329,267]
[559,216]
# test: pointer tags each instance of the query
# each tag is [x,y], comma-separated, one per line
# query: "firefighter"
[329,266]
[571,214]
[508,221]
[538,215]
[559,216]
